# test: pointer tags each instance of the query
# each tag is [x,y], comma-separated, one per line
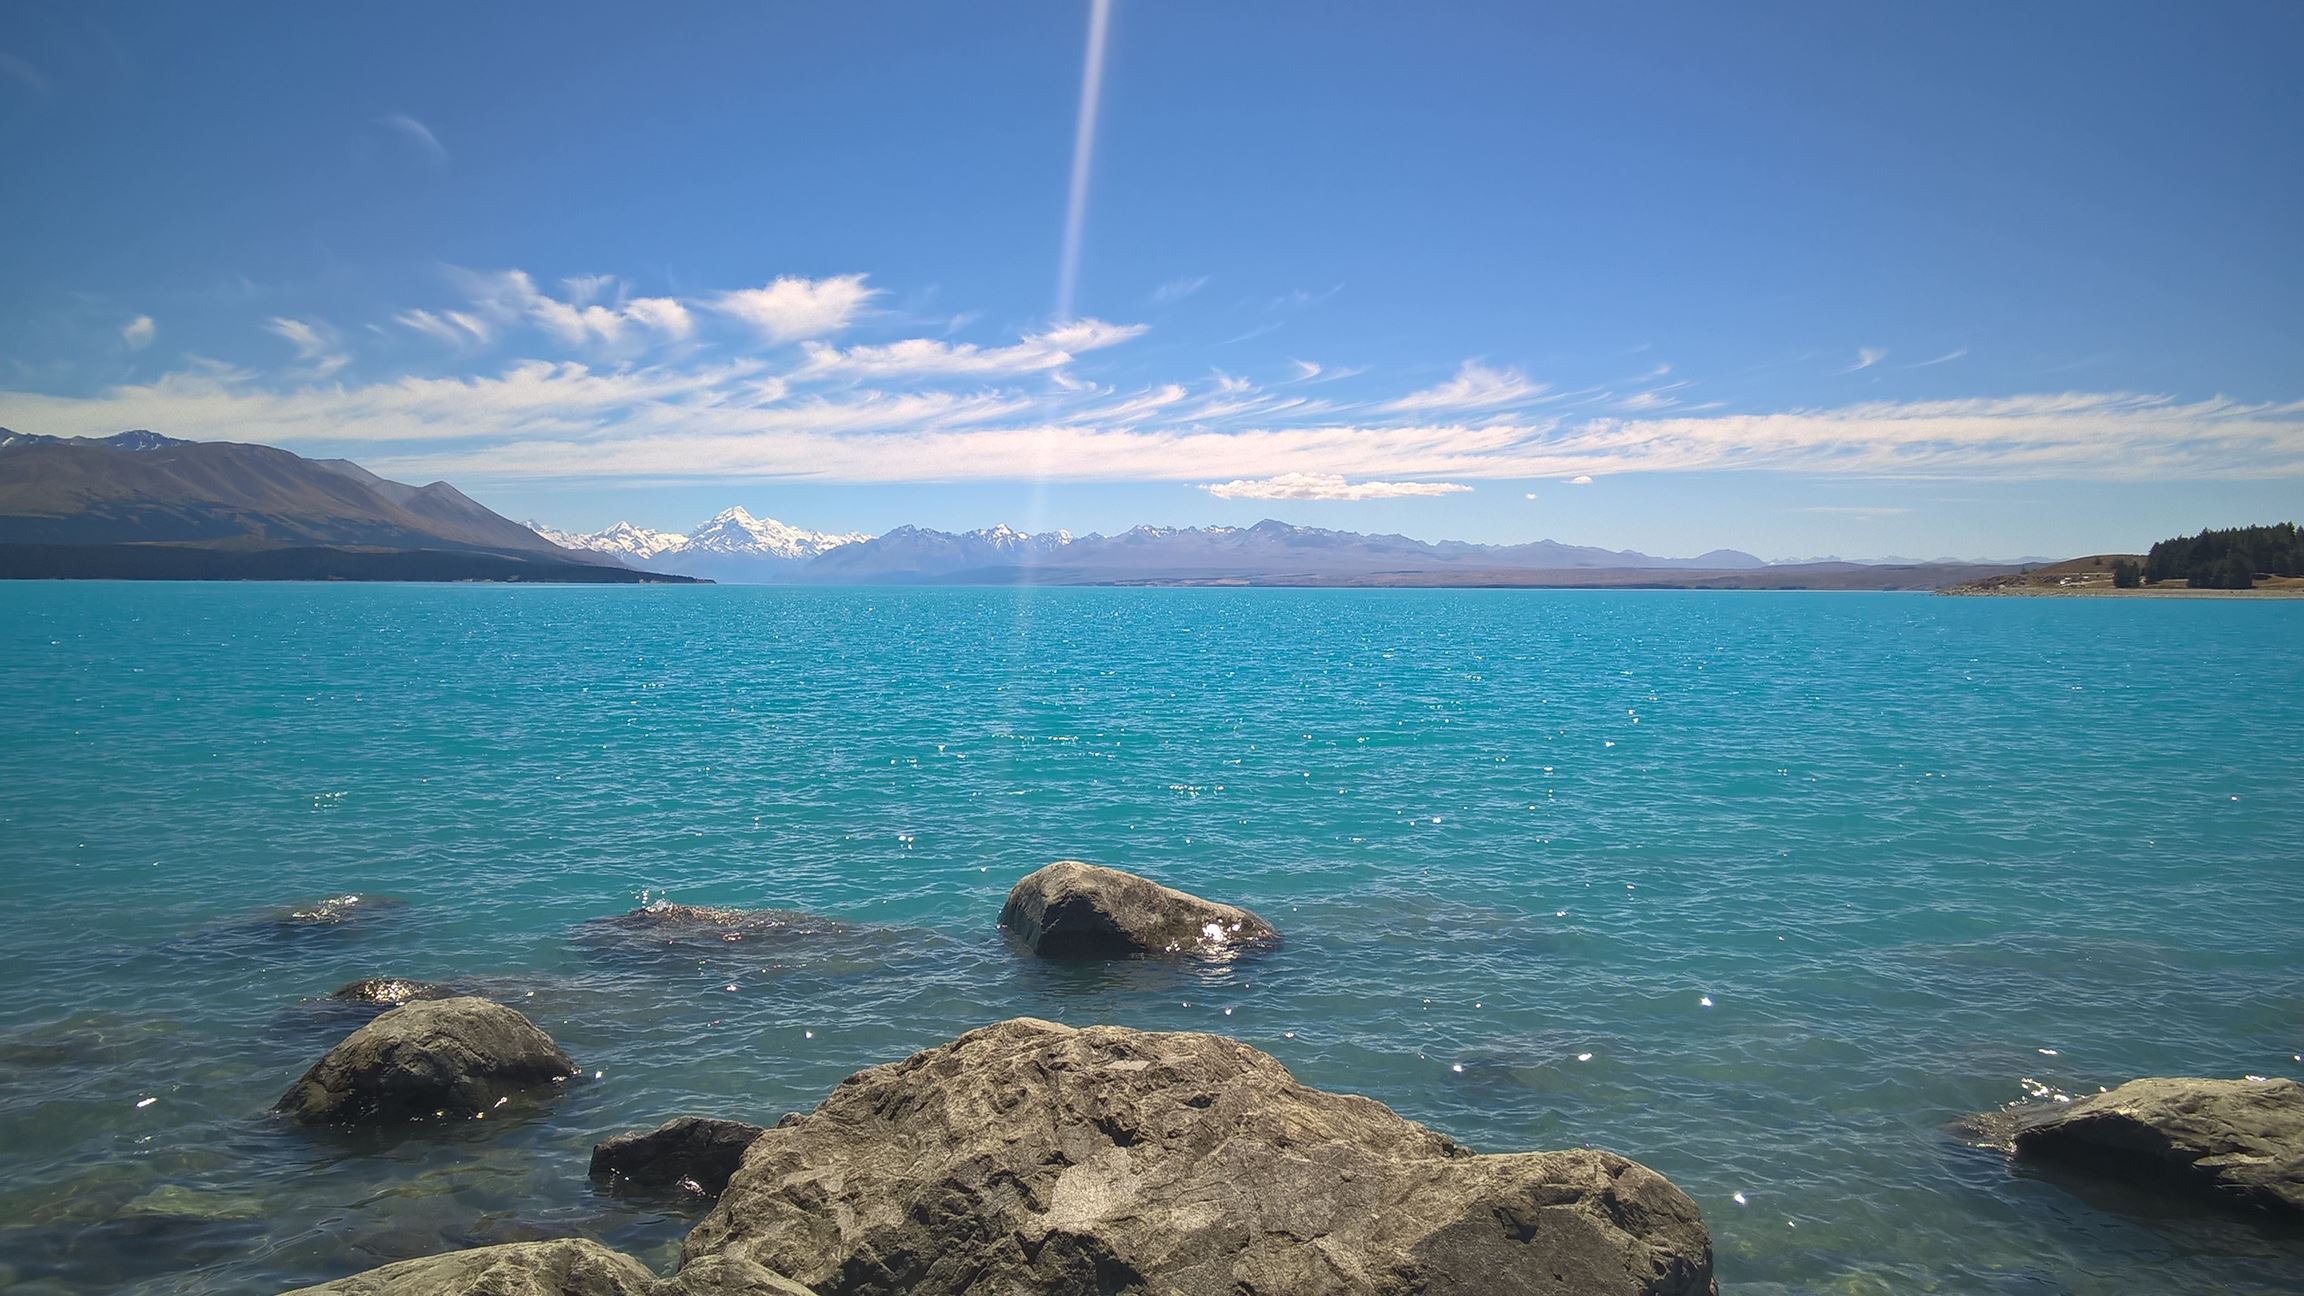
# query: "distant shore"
[2091,577]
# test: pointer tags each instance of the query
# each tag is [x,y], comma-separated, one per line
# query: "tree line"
[2219,559]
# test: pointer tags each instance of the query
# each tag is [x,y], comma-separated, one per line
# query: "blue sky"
[1919,280]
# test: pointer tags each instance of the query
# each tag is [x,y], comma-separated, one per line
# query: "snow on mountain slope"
[732,545]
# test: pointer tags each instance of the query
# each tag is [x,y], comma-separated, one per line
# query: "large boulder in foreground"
[695,1152]
[1029,1157]
[451,1058]
[564,1267]
[1075,910]
[2240,1142]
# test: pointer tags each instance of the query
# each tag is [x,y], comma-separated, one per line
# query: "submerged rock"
[1029,1157]
[564,1267]
[664,927]
[388,992]
[2238,1142]
[692,1151]
[453,1058]
[332,912]
[1075,910]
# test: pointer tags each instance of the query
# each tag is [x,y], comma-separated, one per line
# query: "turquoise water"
[1920,854]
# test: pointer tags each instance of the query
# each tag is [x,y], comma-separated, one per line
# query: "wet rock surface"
[388,992]
[563,1267]
[2239,1143]
[692,1152]
[1075,910]
[1033,1157]
[434,1058]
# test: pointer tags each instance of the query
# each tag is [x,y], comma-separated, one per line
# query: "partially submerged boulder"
[334,911]
[563,1267]
[451,1058]
[2239,1142]
[387,991]
[662,925]
[694,1152]
[1075,910]
[1029,1157]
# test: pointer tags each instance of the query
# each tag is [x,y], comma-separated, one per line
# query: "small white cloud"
[1327,486]
[1529,495]
[1176,290]
[1866,357]
[417,134]
[913,356]
[1306,370]
[583,290]
[137,333]
[1580,479]
[793,308]
[1475,386]
[663,315]
[302,336]
[1642,402]
[312,343]
[1946,358]
[456,328]
[510,295]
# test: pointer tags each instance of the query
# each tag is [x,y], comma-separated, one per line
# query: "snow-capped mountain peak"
[1004,537]
[731,537]
[735,531]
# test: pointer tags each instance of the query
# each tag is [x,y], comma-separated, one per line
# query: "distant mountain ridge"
[736,546]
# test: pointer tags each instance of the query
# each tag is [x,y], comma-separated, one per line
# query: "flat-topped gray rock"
[563,1267]
[692,1151]
[1075,910]
[426,1059]
[2239,1142]
[1029,1157]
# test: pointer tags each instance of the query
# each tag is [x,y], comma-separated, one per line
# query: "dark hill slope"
[141,488]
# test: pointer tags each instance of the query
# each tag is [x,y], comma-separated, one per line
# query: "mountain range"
[142,504]
[735,546]
[139,503]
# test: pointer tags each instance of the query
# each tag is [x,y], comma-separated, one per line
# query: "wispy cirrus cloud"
[791,308]
[138,332]
[312,345]
[418,135]
[1946,358]
[1051,349]
[1475,386]
[1866,357]
[510,295]
[1327,486]
[453,327]
[1176,290]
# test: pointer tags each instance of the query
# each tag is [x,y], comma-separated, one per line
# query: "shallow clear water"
[1919,853]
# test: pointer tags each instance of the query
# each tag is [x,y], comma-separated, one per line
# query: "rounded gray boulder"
[1075,910]
[693,1151]
[428,1058]
[1030,1157]
[2239,1142]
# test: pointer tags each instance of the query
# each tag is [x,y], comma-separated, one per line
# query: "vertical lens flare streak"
[1083,153]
